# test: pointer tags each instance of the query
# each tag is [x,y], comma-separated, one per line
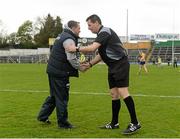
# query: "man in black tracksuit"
[114,56]
[61,66]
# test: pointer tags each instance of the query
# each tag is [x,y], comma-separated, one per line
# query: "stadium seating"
[164,50]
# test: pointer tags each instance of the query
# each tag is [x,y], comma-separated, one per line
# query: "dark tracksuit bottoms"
[59,96]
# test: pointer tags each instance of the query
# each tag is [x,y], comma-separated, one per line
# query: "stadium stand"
[133,49]
[164,49]
[153,49]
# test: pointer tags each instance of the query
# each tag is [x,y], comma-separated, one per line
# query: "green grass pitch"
[23,88]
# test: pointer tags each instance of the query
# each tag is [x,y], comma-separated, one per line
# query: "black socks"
[116,105]
[131,108]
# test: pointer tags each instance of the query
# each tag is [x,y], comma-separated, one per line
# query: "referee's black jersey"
[111,49]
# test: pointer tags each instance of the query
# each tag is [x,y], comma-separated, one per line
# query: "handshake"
[84,66]
[84,63]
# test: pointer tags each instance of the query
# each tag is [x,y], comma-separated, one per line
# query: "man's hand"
[84,66]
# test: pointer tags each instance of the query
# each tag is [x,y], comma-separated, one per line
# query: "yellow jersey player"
[142,63]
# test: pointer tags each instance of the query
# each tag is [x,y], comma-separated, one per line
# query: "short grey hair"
[72,24]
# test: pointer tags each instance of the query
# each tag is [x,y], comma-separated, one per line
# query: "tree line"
[32,35]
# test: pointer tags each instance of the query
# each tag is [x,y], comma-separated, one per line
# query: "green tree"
[3,35]
[50,28]
[12,39]
[58,26]
[25,33]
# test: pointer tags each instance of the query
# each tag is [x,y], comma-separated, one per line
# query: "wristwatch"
[77,49]
[90,64]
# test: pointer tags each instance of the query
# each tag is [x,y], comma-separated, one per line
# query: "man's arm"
[94,61]
[101,39]
[90,48]
[71,57]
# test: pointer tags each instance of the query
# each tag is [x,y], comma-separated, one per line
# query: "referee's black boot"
[132,128]
[110,126]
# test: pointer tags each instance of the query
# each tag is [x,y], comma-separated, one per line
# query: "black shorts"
[142,62]
[119,78]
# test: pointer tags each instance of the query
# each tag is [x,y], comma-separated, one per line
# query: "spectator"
[175,62]
[168,60]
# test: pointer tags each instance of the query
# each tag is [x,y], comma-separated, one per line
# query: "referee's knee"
[114,96]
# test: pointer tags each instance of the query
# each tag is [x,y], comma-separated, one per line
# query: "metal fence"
[40,55]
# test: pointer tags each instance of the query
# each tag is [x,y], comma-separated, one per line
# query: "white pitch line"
[136,95]
[87,93]
[28,91]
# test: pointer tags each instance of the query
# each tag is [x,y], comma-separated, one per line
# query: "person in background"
[153,61]
[168,60]
[142,63]
[175,62]
[159,61]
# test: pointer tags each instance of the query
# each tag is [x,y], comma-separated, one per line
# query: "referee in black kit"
[110,50]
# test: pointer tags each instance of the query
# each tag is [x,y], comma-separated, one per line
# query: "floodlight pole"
[173,38]
[172,51]
[127,27]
